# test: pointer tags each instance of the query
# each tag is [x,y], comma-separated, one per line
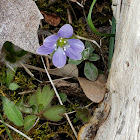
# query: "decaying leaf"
[69,70]
[69,88]
[19,21]
[95,91]
[52,18]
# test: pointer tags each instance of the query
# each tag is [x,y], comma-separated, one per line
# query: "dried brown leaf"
[51,19]
[95,91]
[69,70]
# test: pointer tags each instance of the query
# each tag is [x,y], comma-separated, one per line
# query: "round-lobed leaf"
[32,100]
[55,113]
[90,71]
[44,97]
[12,112]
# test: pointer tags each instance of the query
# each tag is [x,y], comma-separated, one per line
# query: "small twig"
[9,66]
[28,71]
[101,40]
[41,28]
[89,105]
[79,4]
[46,57]
[17,131]
[85,107]
[72,11]
[74,131]
[47,62]
[69,15]
[51,2]
[102,51]
[51,124]
[71,112]
[25,92]
[59,79]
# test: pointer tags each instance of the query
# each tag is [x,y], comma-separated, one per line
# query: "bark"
[123,84]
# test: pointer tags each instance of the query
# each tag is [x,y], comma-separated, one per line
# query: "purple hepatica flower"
[62,46]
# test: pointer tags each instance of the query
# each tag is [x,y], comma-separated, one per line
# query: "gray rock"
[19,21]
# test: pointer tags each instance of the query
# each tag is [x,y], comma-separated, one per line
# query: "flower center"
[61,42]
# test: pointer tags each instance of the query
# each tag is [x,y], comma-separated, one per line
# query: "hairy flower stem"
[93,41]
[74,131]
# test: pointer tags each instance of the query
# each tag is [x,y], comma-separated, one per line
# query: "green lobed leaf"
[94,57]
[32,100]
[9,47]
[21,53]
[75,62]
[40,108]
[63,97]
[33,103]
[29,121]
[12,112]
[13,86]
[10,58]
[90,71]
[44,97]
[55,113]
[83,114]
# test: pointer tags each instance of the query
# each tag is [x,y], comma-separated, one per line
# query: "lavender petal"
[50,41]
[59,58]
[76,45]
[71,53]
[66,31]
[44,50]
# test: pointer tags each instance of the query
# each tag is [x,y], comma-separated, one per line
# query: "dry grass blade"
[17,131]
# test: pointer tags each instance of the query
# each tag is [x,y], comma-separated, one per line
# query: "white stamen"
[64,53]
[55,49]
[60,37]
[60,40]
[55,45]
[64,48]
[65,42]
